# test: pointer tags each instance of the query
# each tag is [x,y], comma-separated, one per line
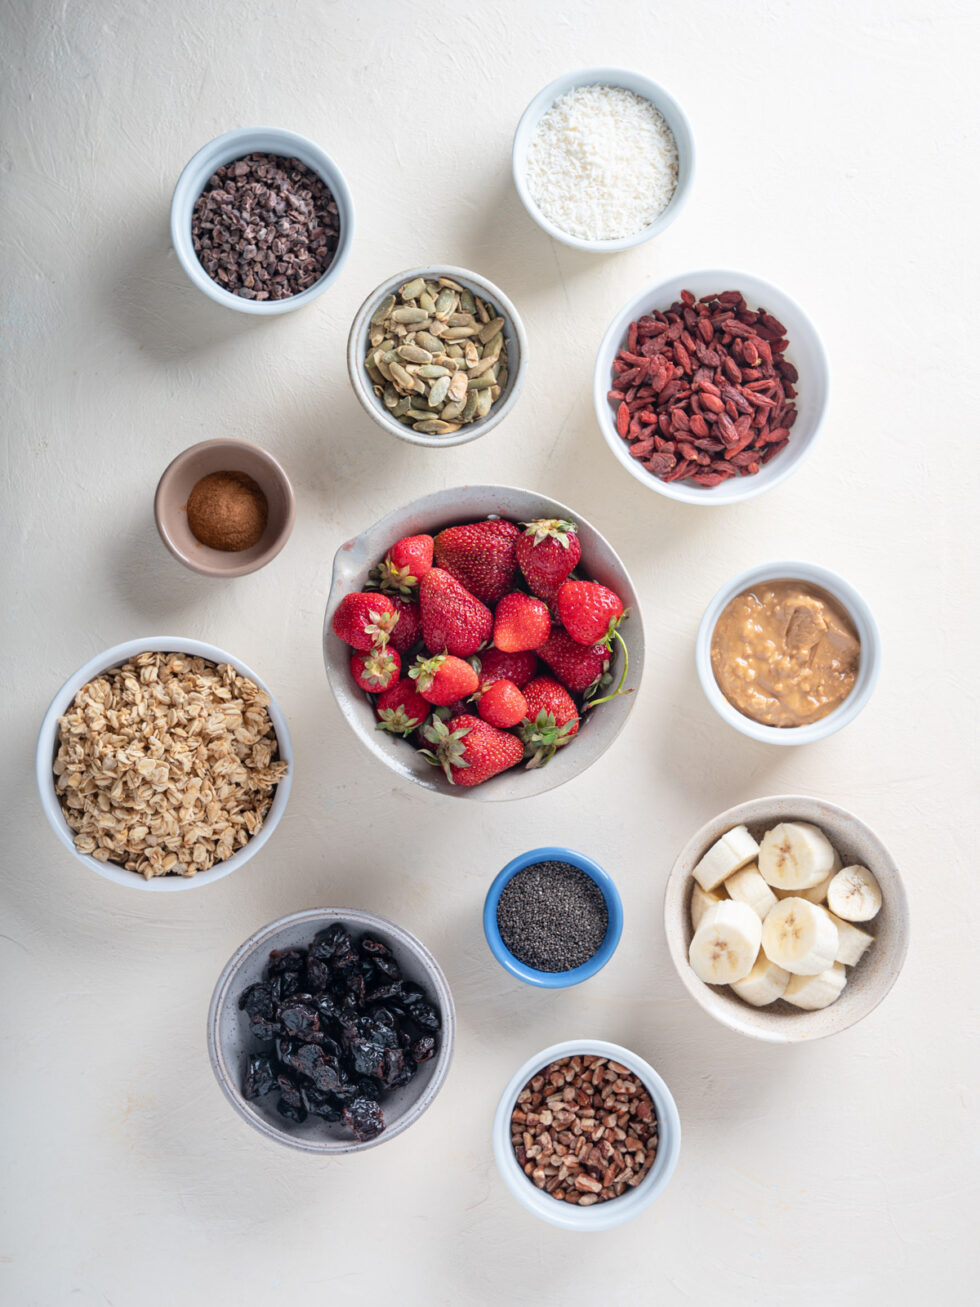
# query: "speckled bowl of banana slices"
[786,918]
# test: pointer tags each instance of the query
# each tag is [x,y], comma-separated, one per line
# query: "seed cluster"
[552,916]
[584,1130]
[265,228]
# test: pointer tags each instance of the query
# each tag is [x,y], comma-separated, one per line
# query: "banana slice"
[701,901]
[795,855]
[735,848]
[814,992]
[854,894]
[800,936]
[852,943]
[817,893]
[726,944]
[764,983]
[747,886]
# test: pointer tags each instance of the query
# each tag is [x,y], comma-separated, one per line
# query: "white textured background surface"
[834,160]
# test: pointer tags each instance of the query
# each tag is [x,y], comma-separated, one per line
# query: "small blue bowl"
[554,979]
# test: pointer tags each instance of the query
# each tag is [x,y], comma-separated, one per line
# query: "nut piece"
[591,1127]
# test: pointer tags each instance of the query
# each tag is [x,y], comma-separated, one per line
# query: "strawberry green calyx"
[396,721]
[423,670]
[380,626]
[593,703]
[450,750]
[392,579]
[550,528]
[543,737]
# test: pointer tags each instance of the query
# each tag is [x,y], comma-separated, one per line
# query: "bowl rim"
[363,919]
[232,145]
[614,911]
[742,488]
[860,613]
[616,1211]
[47,738]
[734,1015]
[271,550]
[368,400]
[431,502]
[661,99]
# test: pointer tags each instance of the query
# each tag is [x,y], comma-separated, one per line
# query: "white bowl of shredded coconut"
[603,159]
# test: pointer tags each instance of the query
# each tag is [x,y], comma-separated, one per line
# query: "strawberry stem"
[622,680]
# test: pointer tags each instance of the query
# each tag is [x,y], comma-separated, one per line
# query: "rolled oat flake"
[552,916]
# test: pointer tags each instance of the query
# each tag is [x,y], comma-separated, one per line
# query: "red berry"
[406,562]
[401,709]
[364,619]
[469,750]
[589,612]
[501,704]
[375,670]
[547,552]
[552,719]
[453,619]
[408,629]
[520,622]
[493,665]
[443,678]
[482,556]
[577,666]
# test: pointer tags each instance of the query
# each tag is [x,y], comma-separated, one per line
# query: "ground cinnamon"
[227,511]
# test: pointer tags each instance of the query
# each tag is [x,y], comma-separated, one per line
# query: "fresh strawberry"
[577,666]
[452,618]
[405,564]
[469,750]
[552,719]
[401,709]
[364,620]
[501,704]
[375,670]
[520,622]
[547,552]
[408,628]
[480,555]
[589,612]
[443,679]
[493,665]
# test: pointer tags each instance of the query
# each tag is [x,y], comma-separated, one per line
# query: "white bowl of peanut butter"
[788,653]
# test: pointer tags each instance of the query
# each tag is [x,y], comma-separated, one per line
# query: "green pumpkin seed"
[423,415]
[383,367]
[374,374]
[427,302]
[495,393]
[484,365]
[458,388]
[484,400]
[402,377]
[493,347]
[403,406]
[438,391]
[414,354]
[466,302]
[491,329]
[458,333]
[452,411]
[426,340]
[469,408]
[455,351]
[481,310]
[460,319]
[432,370]
[445,303]
[412,289]
[435,427]
[502,376]
[382,311]
[471,354]
[390,396]
[481,383]
[436,328]
[408,315]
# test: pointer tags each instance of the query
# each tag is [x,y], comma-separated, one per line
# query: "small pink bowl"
[183,474]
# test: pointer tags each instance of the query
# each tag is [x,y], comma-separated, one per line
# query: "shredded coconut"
[602,163]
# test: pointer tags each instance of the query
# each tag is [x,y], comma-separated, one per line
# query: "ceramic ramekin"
[617,1211]
[513,330]
[554,979]
[235,145]
[643,86]
[180,478]
[868,668]
[867,983]
[600,562]
[806,351]
[47,748]
[229,1038]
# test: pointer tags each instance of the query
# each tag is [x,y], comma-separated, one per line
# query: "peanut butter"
[785,653]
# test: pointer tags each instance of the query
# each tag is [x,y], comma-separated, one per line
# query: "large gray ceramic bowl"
[600,562]
[229,1040]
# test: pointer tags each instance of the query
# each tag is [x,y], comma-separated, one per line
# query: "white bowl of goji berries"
[713,374]
[614,1080]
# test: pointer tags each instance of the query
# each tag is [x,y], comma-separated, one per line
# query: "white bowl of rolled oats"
[164,763]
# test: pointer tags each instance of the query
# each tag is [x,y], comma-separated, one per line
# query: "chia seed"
[552,916]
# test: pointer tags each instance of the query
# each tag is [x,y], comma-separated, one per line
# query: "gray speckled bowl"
[867,983]
[229,1039]
[354,560]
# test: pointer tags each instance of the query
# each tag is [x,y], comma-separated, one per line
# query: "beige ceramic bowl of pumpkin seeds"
[436,355]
